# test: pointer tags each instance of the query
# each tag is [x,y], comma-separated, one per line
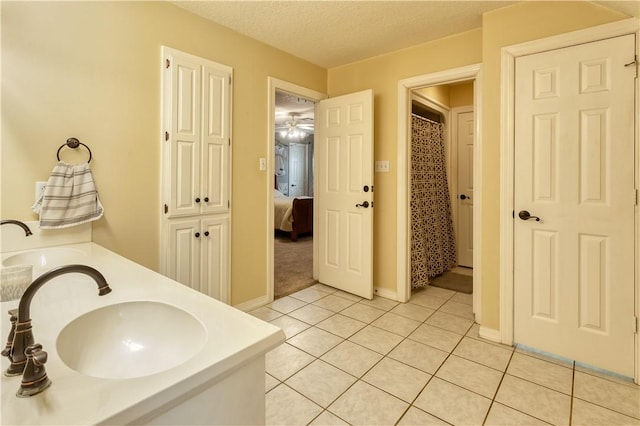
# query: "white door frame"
[273,85]
[507,166]
[405,86]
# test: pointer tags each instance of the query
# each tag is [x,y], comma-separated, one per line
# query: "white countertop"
[233,338]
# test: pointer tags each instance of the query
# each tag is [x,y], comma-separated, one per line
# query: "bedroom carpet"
[453,281]
[292,265]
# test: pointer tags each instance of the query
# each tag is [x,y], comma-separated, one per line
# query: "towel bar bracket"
[73,143]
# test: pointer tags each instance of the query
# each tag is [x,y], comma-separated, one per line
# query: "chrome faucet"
[22,337]
[22,225]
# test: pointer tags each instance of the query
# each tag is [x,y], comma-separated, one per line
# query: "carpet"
[453,281]
[292,265]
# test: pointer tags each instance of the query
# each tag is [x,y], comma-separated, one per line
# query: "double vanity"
[152,351]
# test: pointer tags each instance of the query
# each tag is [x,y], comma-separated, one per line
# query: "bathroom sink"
[45,259]
[130,339]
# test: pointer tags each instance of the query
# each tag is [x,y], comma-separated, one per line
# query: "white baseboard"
[386,293]
[252,304]
[490,334]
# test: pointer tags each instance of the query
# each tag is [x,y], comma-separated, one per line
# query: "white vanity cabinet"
[198,254]
[196,145]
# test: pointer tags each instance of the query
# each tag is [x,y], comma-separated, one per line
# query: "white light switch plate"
[263,164]
[40,189]
[382,166]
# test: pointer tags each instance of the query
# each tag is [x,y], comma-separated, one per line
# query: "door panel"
[344,157]
[574,169]
[464,225]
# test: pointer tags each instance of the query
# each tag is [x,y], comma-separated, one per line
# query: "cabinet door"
[185,76]
[215,258]
[183,263]
[215,139]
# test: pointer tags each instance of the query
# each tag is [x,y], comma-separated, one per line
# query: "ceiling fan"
[296,127]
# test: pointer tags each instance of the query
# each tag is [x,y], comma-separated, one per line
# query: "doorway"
[464,75]
[291,115]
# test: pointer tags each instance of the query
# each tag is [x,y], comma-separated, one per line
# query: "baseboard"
[252,304]
[386,293]
[490,334]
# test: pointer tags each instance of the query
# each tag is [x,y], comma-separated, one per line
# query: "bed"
[293,214]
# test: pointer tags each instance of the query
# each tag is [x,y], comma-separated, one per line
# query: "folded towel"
[70,197]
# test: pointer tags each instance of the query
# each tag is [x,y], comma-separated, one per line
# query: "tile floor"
[349,360]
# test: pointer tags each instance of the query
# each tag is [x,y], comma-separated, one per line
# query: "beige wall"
[512,25]
[92,70]
[450,95]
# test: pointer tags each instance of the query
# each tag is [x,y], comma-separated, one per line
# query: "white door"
[184,252]
[344,158]
[574,169]
[297,169]
[214,237]
[464,236]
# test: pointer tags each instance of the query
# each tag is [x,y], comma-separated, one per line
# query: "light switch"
[263,164]
[382,166]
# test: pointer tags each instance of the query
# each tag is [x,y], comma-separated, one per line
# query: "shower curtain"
[433,248]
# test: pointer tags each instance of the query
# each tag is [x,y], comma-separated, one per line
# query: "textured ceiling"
[331,33]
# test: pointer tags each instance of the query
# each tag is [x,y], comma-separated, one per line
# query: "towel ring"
[73,143]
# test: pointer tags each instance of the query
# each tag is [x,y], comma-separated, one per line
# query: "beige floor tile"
[364,404]
[290,326]
[535,400]
[415,416]
[554,360]
[450,322]
[436,337]
[354,359]
[398,379]
[380,303]
[324,288]
[311,314]
[346,295]
[484,353]
[284,406]
[427,300]
[541,372]
[362,312]
[470,375]
[270,382]
[322,383]
[376,339]
[624,399]
[414,312]
[587,414]
[328,419]
[285,360]
[334,303]
[452,403]
[626,381]
[265,313]
[418,355]
[315,341]
[309,295]
[286,304]
[467,299]
[396,324]
[342,326]
[501,415]
[460,309]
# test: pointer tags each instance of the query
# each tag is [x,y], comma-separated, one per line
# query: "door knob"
[525,215]
[464,197]
[365,204]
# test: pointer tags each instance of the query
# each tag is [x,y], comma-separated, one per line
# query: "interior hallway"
[353,361]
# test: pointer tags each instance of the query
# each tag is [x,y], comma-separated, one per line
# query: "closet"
[196,120]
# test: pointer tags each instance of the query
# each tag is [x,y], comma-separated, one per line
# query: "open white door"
[344,192]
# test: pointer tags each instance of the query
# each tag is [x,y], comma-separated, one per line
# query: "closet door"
[215,257]
[216,140]
[297,169]
[184,252]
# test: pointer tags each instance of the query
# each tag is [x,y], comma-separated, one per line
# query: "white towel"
[70,197]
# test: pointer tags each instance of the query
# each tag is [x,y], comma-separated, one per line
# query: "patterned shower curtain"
[433,248]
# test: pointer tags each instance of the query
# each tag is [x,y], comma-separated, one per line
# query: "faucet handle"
[35,378]
[9,345]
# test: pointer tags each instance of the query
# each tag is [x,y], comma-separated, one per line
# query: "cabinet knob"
[197,235]
[206,233]
[198,200]
[206,199]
